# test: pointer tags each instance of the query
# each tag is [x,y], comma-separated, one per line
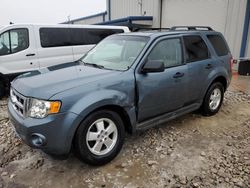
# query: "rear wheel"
[213,99]
[99,138]
[2,89]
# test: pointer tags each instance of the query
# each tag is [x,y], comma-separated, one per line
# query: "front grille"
[19,102]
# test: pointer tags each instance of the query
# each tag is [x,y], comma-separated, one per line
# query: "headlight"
[40,108]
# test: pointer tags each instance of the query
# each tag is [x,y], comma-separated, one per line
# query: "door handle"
[209,66]
[178,75]
[28,55]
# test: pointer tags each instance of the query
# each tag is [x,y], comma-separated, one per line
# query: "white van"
[28,47]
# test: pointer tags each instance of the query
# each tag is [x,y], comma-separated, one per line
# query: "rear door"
[221,50]
[200,64]
[83,39]
[18,52]
[163,92]
[54,46]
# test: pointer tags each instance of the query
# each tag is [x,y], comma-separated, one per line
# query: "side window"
[219,44]
[13,41]
[55,37]
[4,44]
[86,36]
[169,51]
[19,40]
[196,48]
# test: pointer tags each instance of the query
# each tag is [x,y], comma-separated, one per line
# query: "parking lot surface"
[191,151]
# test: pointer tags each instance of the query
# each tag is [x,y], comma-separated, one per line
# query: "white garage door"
[195,12]
[226,16]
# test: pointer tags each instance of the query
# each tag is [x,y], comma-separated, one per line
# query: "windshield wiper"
[93,65]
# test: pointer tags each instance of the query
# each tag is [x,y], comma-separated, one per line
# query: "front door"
[163,92]
[18,52]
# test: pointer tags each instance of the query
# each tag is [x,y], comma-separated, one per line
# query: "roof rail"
[202,28]
[149,29]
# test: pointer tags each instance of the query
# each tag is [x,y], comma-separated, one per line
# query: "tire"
[2,90]
[93,144]
[215,91]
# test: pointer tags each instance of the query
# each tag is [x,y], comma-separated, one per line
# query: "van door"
[54,46]
[84,39]
[18,52]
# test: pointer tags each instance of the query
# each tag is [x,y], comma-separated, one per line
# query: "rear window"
[56,37]
[196,48]
[219,44]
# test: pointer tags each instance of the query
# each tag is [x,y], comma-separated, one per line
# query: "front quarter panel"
[85,99]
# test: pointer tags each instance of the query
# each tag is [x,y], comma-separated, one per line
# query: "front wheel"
[99,138]
[213,99]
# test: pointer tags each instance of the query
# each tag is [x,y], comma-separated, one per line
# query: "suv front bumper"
[57,131]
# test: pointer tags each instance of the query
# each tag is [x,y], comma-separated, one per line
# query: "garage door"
[226,16]
[195,12]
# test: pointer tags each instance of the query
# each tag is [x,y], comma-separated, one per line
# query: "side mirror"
[153,66]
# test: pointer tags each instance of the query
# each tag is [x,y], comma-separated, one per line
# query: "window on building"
[219,44]
[196,48]
[14,41]
[169,51]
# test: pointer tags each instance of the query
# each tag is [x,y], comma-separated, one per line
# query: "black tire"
[205,108]
[81,145]
[2,90]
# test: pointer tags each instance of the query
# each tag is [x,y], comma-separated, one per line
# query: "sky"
[47,11]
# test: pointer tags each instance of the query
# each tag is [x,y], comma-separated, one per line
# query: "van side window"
[88,36]
[4,44]
[54,37]
[169,51]
[219,44]
[14,41]
[196,48]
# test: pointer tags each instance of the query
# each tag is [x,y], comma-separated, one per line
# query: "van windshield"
[116,52]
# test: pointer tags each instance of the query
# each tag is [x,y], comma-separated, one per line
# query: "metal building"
[231,17]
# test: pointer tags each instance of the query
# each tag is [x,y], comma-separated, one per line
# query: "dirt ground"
[191,151]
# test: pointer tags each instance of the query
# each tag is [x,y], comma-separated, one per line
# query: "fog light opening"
[38,140]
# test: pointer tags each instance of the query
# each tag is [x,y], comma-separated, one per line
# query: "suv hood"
[47,82]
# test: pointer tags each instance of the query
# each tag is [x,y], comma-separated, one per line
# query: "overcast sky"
[47,11]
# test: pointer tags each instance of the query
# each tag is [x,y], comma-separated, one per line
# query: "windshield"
[116,52]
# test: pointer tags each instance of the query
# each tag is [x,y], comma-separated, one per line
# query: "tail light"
[232,62]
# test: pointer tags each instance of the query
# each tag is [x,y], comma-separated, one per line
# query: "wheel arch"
[220,78]
[121,112]
[126,116]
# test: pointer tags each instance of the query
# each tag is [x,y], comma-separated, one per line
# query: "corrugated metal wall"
[234,25]
[125,8]
[226,16]
[248,44]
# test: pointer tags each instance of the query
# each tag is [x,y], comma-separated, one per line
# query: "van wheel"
[99,138]
[2,90]
[213,99]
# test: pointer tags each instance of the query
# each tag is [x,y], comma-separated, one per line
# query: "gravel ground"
[191,151]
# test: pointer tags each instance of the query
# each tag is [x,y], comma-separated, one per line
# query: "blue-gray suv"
[128,82]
